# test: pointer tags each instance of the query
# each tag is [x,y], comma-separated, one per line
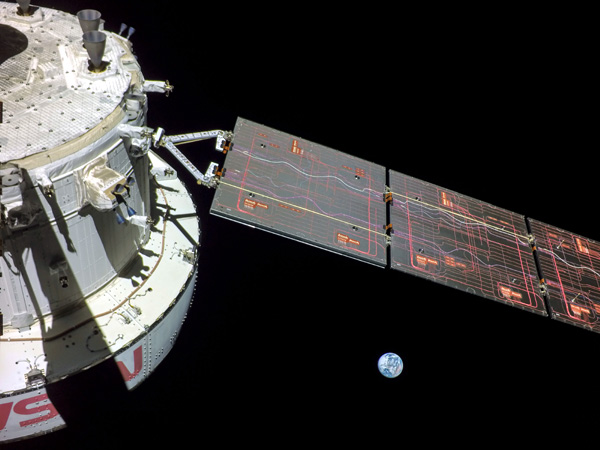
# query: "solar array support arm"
[223,138]
[210,177]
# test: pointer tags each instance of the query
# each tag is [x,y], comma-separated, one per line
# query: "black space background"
[281,343]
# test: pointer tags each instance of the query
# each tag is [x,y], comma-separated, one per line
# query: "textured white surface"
[49,95]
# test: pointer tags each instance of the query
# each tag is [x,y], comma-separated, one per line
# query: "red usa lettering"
[138,362]
[23,408]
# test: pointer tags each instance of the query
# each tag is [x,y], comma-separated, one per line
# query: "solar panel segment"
[570,267]
[305,191]
[464,243]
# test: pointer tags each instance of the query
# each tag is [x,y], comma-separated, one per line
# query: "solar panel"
[570,267]
[314,194]
[305,191]
[464,243]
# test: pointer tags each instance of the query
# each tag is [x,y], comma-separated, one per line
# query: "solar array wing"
[314,194]
[570,267]
[464,243]
[305,191]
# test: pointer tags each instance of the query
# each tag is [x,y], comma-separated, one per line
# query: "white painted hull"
[140,359]
[137,328]
[31,413]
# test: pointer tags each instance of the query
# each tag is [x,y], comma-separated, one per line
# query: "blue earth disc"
[390,365]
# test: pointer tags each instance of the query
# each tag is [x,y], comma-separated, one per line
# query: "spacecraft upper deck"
[50,97]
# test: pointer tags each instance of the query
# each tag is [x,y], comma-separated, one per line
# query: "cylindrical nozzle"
[95,42]
[89,19]
[24,5]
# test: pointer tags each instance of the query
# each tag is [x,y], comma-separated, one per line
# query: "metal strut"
[211,176]
[223,138]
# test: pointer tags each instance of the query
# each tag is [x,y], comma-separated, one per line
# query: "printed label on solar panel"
[305,191]
[570,266]
[464,243]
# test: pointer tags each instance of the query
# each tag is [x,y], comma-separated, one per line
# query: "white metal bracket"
[211,176]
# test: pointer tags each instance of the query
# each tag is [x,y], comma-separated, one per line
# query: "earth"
[390,365]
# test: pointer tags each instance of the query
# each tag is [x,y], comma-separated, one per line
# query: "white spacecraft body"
[98,236]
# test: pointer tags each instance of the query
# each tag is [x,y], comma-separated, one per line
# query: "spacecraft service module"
[100,236]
